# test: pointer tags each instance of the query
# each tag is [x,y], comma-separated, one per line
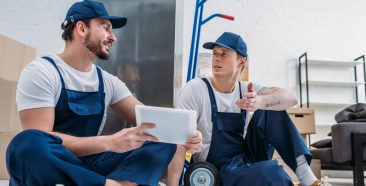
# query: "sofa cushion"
[324,154]
[322,143]
[341,140]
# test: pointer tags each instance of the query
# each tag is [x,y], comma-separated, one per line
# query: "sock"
[303,172]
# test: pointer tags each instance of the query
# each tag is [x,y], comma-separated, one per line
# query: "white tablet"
[172,125]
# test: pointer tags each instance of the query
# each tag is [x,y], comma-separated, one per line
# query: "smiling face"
[100,37]
[226,62]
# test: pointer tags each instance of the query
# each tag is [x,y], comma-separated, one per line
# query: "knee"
[160,152]
[30,143]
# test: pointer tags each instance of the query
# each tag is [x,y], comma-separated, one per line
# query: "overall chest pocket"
[230,121]
[86,108]
[85,103]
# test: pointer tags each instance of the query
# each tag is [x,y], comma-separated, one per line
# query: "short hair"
[239,56]
[67,34]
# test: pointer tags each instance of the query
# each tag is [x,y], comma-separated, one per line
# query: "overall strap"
[212,95]
[100,78]
[54,64]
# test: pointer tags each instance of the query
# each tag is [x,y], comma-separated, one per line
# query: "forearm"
[278,99]
[176,166]
[83,146]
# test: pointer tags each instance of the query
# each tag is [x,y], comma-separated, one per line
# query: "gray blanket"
[354,113]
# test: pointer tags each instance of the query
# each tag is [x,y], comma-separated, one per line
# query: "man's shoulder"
[40,67]
[197,82]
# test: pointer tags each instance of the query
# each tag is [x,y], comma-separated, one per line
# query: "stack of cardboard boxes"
[13,57]
[304,121]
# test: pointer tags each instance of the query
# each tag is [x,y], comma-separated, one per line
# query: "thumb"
[250,87]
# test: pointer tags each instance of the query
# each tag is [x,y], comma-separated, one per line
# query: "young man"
[243,152]
[62,101]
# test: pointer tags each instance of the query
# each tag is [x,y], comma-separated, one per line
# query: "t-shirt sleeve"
[119,90]
[189,97]
[37,87]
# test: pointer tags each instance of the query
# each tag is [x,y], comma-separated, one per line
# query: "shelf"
[325,124]
[334,63]
[334,83]
[328,104]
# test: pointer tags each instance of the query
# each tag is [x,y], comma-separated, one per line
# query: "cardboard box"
[303,119]
[5,138]
[13,57]
[16,126]
[7,105]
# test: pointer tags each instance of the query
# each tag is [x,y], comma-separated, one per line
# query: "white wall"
[35,23]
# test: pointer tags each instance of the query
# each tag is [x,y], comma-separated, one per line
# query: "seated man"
[243,152]
[62,101]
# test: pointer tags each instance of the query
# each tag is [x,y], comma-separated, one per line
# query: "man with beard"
[62,101]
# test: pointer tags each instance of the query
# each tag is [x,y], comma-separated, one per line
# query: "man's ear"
[242,61]
[81,29]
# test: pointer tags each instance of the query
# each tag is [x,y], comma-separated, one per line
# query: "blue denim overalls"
[38,158]
[248,161]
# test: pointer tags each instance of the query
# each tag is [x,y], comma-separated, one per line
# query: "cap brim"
[211,45]
[117,22]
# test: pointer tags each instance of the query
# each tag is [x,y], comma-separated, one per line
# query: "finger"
[250,95]
[194,140]
[145,137]
[145,126]
[250,87]
[195,150]
[193,147]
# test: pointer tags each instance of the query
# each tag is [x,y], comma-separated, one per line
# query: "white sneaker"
[161,184]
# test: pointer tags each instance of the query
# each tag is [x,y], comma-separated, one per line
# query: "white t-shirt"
[40,85]
[195,96]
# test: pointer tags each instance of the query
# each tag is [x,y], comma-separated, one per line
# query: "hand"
[250,102]
[131,138]
[194,144]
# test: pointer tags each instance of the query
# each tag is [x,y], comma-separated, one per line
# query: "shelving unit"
[304,61]
[330,86]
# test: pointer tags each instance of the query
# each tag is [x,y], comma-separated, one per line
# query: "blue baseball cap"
[89,9]
[231,41]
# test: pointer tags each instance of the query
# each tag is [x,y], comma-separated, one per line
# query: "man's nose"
[112,37]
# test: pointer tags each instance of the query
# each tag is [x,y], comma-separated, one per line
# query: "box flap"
[304,111]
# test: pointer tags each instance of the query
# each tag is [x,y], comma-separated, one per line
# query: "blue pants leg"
[35,157]
[144,165]
[269,130]
[263,173]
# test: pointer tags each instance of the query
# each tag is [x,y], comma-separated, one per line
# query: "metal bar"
[189,70]
[201,3]
[300,78]
[364,72]
[197,43]
[358,141]
[307,80]
[231,18]
[356,88]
